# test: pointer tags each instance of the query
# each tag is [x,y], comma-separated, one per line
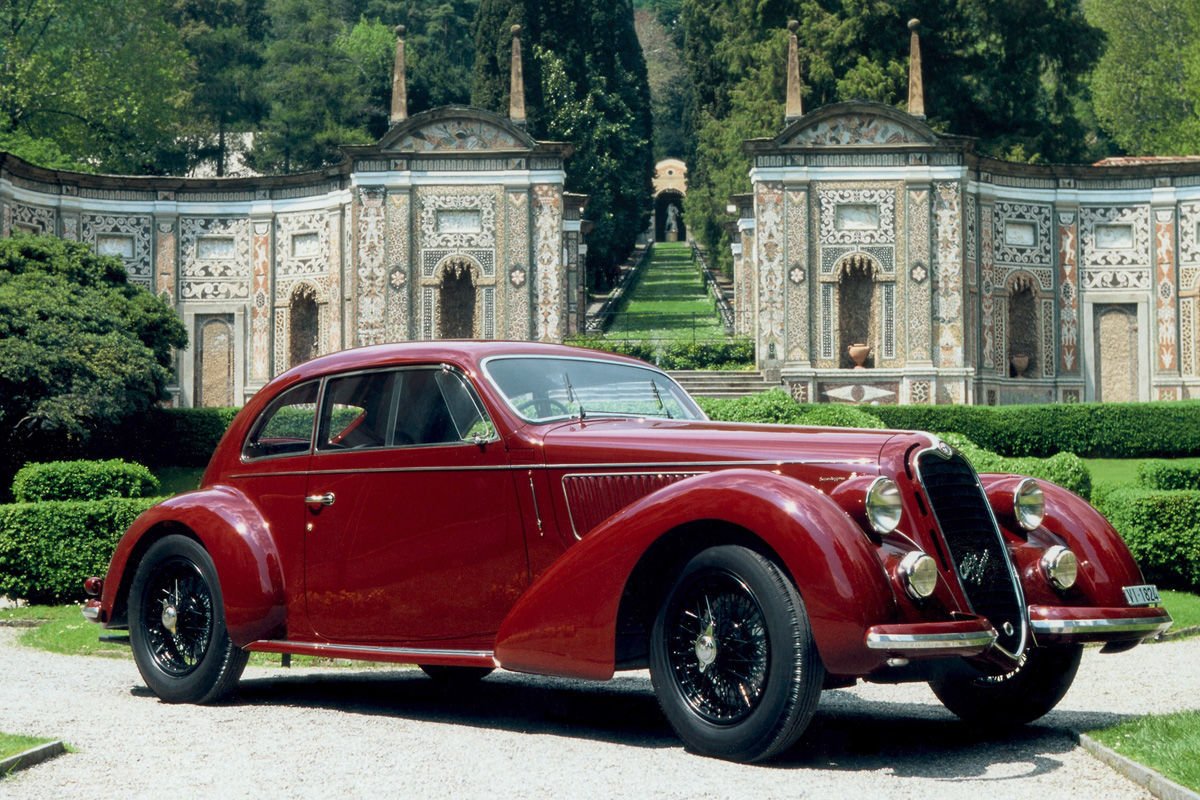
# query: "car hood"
[677,442]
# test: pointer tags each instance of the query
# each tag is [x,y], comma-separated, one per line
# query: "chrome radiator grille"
[979,555]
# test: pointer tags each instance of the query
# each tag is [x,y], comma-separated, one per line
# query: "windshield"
[541,389]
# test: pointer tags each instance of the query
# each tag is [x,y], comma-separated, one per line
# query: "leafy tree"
[101,82]
[670,87]
[225,41]
[79,346]
[1146,88]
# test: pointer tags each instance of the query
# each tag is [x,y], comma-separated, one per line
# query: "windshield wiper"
[572,397]
[658,398]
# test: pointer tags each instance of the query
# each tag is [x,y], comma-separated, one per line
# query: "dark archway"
[456,302]
[303,330]
[662,216]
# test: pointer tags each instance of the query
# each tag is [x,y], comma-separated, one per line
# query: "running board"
[399,655]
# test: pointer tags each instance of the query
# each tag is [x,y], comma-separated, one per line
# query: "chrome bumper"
[1097,624]
[957,638]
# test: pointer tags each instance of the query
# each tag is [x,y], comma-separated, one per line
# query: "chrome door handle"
[319,499]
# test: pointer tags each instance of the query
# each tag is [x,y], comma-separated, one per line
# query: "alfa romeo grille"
[974,543]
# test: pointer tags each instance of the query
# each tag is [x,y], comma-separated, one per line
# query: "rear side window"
[358,412]
[286,426]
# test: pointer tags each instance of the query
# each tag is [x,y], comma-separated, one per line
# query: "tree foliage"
[585,83]
[79,346]
[1146,88]
[94,84]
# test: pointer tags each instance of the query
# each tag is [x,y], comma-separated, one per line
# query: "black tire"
[732,658]
[1021,696]
[177,625]
[456,676]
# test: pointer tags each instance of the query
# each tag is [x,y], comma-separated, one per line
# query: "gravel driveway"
[384,733]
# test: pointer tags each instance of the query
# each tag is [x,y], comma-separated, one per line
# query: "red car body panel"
[520,549]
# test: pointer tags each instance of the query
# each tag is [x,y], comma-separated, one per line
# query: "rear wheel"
[732,657]
[1028,692]
[177,625]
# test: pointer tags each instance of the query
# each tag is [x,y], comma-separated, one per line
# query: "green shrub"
[1090,430]
[181,437]
[47,549]
[1162,529]
[773,406]
[1065,469]
[1168,475]
[82,480]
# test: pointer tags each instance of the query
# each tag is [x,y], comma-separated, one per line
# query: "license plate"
[1142,595]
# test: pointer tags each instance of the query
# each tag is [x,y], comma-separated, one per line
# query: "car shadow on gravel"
[848,732]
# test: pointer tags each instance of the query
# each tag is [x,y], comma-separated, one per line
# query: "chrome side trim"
[415,652]
[91,613]
[1085,627]
[929,641]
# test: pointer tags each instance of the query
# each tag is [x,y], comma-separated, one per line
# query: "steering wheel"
[532,408]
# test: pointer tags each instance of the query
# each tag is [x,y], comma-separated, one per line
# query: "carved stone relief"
[1022,235]
[1068,291]
[215,256]
[857,129]
[127,238]
[399,267]
[797,262]
[517,263]
[918,293]
[857,216]
[948,293]
[371,277]
[32,219]
[547,232]
[1115,247]
[1164,260]
[768,204]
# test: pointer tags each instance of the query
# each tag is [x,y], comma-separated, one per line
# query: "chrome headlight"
[919,574]
[883,505]
[1029,504]
[1060,566]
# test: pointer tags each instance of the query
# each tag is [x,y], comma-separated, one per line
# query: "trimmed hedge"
[1168,475]
[83,480]
[1162,529]
[1065,469]
[1090,430]
[47,549]
[778,406]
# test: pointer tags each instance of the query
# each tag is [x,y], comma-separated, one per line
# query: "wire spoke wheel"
[718,648]
[178,617]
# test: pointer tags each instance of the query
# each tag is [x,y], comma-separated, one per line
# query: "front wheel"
[177,625]
[1038,683]
[732,658]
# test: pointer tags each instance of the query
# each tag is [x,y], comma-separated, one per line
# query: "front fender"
[565,623]
[1105,563]
[233,532]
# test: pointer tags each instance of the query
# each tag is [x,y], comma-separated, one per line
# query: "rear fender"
[565,623]
[234,534]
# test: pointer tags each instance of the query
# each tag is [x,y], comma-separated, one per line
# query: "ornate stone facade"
[456,220]
[972,280]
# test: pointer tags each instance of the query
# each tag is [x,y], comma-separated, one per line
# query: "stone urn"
[858,353]
[1020,363]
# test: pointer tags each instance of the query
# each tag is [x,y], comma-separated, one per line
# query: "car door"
[413,531]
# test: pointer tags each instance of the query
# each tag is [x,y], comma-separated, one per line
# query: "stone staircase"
[721,383]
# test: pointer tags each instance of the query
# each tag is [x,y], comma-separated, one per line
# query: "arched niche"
[303,325]
[858,308]
[458,299]
[1024,325]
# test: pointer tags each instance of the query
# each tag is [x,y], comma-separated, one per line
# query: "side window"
[435,406]
[286,425]
[356,412]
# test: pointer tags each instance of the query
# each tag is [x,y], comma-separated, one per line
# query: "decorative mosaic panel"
[768,202]
[547,231]
[70,228]
[1187,327]
[1068,292]
[31,219]
[1168,393]
[458,135]
[5,219]
[127,238]
[882,393]
[1046,322]
[399,268]
[797,262]
[857,129]
[331,323]
[442,230]
[888,322]
[827,321]
[1115,247]
[215,273]
[1189,243]
[857,216]
[884,256]
[431,258]
[1164,262]
[164,263]
[1022,234]
[918,292]
[1070,395]
[919,392]
[260,302]
[1042,277]
[371,278]
[798,390]
[302,243]
[948,293]
[517,264]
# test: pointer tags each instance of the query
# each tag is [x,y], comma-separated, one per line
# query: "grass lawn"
[669,301]
[1123,471]
[11,744]
[1183,607]
[1167,744]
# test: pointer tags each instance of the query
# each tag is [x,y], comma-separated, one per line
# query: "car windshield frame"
[663,397]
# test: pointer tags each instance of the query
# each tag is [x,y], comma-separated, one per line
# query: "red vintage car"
[465,506]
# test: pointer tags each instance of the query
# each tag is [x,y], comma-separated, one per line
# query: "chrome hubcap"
[706,647]
[170,617]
